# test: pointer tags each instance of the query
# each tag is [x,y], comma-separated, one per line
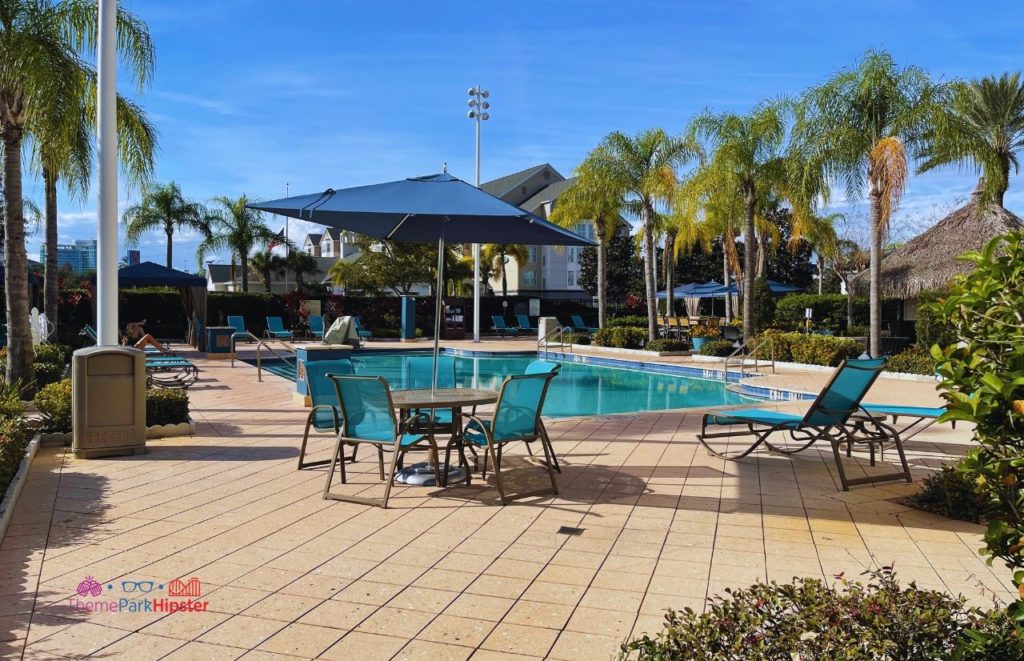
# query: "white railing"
[747,350]
[260,345]
[546,341]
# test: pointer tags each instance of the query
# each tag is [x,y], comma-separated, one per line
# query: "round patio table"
[422,474]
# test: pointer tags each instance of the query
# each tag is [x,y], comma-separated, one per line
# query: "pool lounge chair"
[276,330]
[363,332]
[368,417]
[832,417]
[170,371]
[237,322]
[926,416]
[524,324]
[499,326]
[316,326]
[580,327]
[324,416]
[516,418]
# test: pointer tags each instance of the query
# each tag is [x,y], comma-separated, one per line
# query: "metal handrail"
[261,343]
[752,351]
[560,331]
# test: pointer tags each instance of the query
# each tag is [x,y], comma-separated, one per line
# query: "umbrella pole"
[437,306]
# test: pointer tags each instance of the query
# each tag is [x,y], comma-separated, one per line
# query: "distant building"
[133,258]
[228,277]
[332,243]
[78,256]
[549,272]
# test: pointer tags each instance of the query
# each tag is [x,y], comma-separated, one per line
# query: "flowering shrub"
[809,349]
[700,330]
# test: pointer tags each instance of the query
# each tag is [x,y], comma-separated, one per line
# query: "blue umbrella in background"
[437,207]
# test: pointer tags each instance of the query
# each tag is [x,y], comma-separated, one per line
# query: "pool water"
[578,390]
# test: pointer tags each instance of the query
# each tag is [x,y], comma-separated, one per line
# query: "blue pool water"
[579,389]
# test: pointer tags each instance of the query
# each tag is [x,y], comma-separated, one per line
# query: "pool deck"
[447,574]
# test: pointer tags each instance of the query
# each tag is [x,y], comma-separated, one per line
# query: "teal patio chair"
[368,417]
[499,326]
[420,374]
[316,326]
[524,323]
[89,332]
[835,416]
[324,415]
[580,327]
[516,418]
[276,330]
[237,322]
[363,332]
[544,367]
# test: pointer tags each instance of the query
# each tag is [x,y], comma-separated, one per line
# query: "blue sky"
[251,94]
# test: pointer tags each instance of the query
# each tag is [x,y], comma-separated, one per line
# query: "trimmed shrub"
[52,354]
[640,321]
[720,348]
[47,373]
[165,406]
[705,331]
[54,403]
[811,620]
[808,349]
[829,311]
[912,360]
[14,438]
[667,345]
[622,337]
[577,338]
[949,492]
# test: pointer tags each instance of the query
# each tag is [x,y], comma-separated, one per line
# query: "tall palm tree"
[237,228]
[642,168]
[593,198]
[857,127]
[42,44]
[498,254]
[749,148]
[980,126]
[300,264]
[164,207]
[267,264]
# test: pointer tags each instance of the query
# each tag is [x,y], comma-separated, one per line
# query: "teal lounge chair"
[170,371]
[916,414]
[276,329]
[237,322]
[363,332]
[524,323]
[580,327]
[368,417]
[499,326]
[89,332]
[316,326]
[832,417]
[324,416]
[516,418]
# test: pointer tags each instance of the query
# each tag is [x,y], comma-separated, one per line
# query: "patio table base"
[422,474]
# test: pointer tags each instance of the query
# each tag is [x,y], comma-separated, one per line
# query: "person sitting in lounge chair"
[135,335]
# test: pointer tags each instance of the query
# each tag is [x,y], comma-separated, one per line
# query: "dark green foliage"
[625,268]
[165,406]
[54,354]
[621,337]
[829,311]
[254,307]
[912,360]
[47,373]
[949,492]
[161,307]
[638,320]
[10,400]
[14,438]
[667,345]
[983,383]
[808,349]
[720,348]
[811,620]
[930,327]
[764,305]
[577,338]
[54,403]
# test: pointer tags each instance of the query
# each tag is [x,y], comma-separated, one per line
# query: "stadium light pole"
[478,106]
[106,130]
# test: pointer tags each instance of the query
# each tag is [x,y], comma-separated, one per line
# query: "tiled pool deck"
[444,574]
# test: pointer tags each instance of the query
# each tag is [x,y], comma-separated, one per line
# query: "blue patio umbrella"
[774,287]
[437,207]
[697,289]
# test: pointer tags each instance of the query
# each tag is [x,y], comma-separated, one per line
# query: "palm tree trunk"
[169,229]
[762,255]
[50,275]
[670,248]
[821,277]
[725,279]
[244,259]
[849,305]
[749,263]
[602,275]
[19,339]
[650,265]
[875,270]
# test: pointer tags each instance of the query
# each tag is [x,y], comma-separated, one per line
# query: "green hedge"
[621,337]
[930,327]
[720,348]
[14,438]
[829,311]
[165,406]
[912,360]
[637,320]
[808,349]
[255,308]
[667,345]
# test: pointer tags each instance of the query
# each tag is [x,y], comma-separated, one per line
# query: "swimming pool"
[579,389]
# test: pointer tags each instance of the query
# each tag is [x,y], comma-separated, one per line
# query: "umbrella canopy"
[698,289]
[774,287]
[150,274]
[424,209]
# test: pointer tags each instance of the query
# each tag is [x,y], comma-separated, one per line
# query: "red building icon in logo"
[178,588]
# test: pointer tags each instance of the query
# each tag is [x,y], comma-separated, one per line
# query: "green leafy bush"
[983,383]
[811,620]
[47,373]
[10,400]
[912,360]
[930,327]
[577,338]
[14,438]
[949,492]
[700,330]
[621,337]
[54,403]
[808,349]
[637,320]
[667,345]
[52,354]
[829,311]
[165,406]
[720,348]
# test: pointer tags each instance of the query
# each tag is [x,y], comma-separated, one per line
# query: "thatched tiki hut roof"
[929,260]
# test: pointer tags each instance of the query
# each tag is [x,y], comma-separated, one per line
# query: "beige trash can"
[108,401]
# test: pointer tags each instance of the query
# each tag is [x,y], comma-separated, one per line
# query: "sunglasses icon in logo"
[141,586]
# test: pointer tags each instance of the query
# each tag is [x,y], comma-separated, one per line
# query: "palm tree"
[980,126]
[642,168]
[749,149]
[163,207]
[497,255]
[593,198]
[857,128]
[300,263]
[42,45]
[267,264]
[237,228]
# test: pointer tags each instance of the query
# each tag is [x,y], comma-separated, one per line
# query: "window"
[530,278]
[572,278]
[531,254]
[571,252]
[543,260]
